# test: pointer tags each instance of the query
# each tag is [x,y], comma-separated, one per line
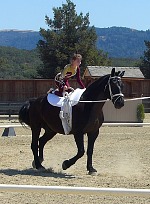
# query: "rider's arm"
[79,79]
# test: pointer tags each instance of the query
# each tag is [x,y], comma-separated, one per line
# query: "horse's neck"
[96,91]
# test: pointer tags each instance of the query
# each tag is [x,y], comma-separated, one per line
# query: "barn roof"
[97,71]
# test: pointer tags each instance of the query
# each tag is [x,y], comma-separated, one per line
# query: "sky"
[30,14]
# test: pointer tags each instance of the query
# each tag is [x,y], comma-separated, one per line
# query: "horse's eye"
[115,80]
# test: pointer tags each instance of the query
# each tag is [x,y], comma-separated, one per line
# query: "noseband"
[110,89]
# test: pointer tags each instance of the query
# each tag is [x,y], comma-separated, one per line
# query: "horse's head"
[114,88]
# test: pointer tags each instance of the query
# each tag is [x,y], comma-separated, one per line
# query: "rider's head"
[76,58]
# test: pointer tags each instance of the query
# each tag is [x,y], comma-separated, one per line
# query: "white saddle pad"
[58,101]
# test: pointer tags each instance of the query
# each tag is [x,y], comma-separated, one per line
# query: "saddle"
[74,97]
[65,103]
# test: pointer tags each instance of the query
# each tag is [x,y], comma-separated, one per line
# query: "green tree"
[68,33]
[18,64]
[145,61]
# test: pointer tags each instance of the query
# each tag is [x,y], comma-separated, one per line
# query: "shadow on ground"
[34,172]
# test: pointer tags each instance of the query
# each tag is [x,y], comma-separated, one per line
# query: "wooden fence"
[18,91]
[22,90]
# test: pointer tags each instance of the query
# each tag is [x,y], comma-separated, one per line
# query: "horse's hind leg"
[48,135]
[34,147]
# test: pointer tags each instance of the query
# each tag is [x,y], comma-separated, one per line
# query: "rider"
[69,70]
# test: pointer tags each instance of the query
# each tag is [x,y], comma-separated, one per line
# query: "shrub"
[140,112]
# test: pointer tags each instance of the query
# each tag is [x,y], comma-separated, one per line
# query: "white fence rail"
[75,190]
[104,124]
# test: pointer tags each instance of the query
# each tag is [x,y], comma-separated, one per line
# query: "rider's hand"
[65,88]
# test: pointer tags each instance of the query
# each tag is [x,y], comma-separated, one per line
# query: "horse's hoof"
[40,160]
[64,165]
[39,168]
[92,172]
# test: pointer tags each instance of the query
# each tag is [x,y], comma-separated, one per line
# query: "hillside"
[122,42]
[118,42]
[18,64]
[19,39]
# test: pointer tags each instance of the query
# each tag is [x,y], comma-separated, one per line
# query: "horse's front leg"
[34,146]
[91,140]
[80,145]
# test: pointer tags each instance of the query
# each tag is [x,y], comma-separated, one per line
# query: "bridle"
[118,95]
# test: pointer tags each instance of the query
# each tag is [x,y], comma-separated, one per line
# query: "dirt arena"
[121,156]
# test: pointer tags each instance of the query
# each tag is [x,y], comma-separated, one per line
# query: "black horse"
[87,117]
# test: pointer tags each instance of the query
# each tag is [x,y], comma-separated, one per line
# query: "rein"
[130,99]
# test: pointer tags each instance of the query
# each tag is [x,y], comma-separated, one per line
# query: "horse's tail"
[24,113]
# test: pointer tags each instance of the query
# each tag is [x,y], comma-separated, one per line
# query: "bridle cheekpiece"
[118,95]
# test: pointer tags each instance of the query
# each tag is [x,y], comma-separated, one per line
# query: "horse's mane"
[95,88]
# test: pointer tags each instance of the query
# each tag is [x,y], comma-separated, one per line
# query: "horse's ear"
[121,74]
[113,72]
[118,73]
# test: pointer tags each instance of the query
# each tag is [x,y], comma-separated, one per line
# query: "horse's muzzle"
[118,102]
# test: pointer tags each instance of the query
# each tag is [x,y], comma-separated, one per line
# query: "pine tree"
[145,61]
[68,33]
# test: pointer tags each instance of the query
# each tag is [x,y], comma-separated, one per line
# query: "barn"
[135,84]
